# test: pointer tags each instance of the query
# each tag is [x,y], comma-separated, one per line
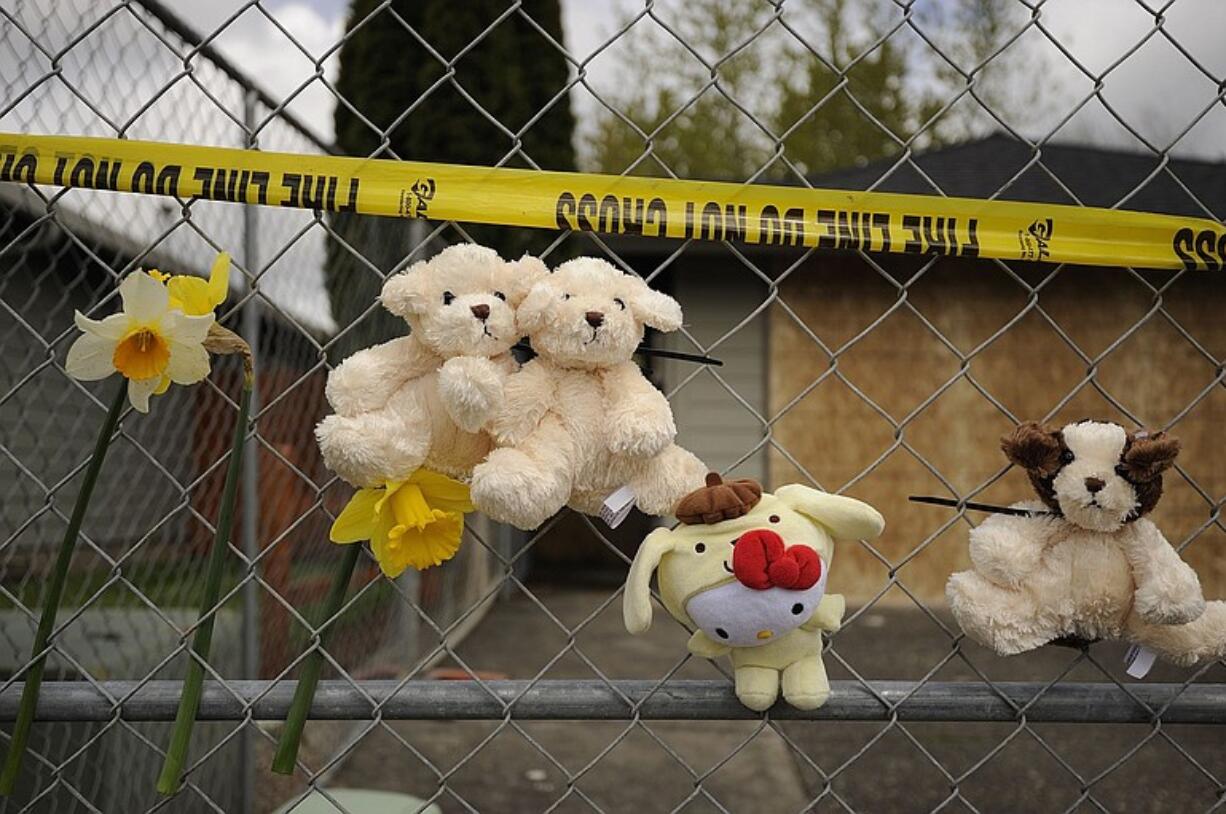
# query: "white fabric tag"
[1138,661]
[617,507]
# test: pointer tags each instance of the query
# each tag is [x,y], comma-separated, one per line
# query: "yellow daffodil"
[146,342]
[195,296]
[415,522]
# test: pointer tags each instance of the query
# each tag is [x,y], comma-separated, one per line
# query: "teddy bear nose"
[1094,485]
[594,318]
[481,312]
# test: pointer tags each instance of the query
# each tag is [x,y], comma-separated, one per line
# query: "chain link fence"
[878,376]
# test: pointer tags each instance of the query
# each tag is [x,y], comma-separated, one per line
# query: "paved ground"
[894,774]
[503,770]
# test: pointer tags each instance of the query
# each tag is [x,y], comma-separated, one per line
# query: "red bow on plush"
[760,561]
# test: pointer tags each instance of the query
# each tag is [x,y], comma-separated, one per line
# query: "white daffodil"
[146,342]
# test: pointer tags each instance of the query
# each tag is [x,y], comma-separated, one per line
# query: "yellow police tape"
[649,207]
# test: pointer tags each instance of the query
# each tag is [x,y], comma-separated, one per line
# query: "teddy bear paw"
[1000,555]
[509,428]
[637,437]
[511,487]
[1157,609]
[471,391]
[354,448]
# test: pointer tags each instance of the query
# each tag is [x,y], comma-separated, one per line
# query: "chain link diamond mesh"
[857,373]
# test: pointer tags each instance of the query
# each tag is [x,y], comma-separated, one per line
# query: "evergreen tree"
[399,102]
[865,107]
[837,99]
[668,129]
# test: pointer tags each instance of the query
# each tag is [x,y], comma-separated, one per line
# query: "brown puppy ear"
[1148,455]
[1033,447]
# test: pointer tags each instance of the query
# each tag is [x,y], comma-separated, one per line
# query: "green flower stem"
[189,702]
[55,591]
[308,677]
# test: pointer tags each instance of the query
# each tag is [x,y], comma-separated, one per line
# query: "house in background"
[897,375]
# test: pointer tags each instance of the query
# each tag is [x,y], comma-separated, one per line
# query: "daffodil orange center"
[142,354]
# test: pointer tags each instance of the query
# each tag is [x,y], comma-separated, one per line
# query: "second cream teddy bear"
[580,421]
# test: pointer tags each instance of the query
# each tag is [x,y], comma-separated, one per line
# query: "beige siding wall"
[945,422]
[712,421]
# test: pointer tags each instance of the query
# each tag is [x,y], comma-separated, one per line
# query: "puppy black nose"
[594,318]
[481,312]
[1094,485]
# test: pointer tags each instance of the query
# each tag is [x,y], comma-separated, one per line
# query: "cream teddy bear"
[748,570]
[420,400]
[1088,564]
[580,420]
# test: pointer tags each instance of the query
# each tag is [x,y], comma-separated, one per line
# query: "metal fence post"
[251,466]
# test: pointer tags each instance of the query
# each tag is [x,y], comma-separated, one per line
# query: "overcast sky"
[1157,89]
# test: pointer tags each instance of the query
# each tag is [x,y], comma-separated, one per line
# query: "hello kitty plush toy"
[748,570]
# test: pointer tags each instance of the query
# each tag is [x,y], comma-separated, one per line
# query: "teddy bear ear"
[1149,454]
[406,294]
[652,308]
[521,275]
[1033,447]
[532,312]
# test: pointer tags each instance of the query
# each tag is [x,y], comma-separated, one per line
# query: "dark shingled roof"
[1092,176]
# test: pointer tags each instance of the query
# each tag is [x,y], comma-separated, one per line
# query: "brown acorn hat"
[719,500]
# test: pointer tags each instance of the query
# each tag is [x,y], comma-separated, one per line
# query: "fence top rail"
[1099,702]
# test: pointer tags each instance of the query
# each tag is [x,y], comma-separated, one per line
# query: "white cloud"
[1155,89]
[267,54]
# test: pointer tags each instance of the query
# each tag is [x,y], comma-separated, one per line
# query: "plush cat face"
[1097,475]
[462,301]
[695,558]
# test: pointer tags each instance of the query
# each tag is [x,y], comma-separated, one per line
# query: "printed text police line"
[824,228]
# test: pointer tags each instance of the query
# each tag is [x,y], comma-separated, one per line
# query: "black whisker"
[979,507]
[650,351]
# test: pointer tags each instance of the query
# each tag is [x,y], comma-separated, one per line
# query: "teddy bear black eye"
[448,297]
[566,296]
[774,518]
[798,609]
[500,296]
[719,631]
[1066,457]
[700,547]
[620,303]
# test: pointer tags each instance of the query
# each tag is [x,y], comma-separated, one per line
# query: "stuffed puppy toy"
[580,421]
[1088,564]
[748,570]
[420,400]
